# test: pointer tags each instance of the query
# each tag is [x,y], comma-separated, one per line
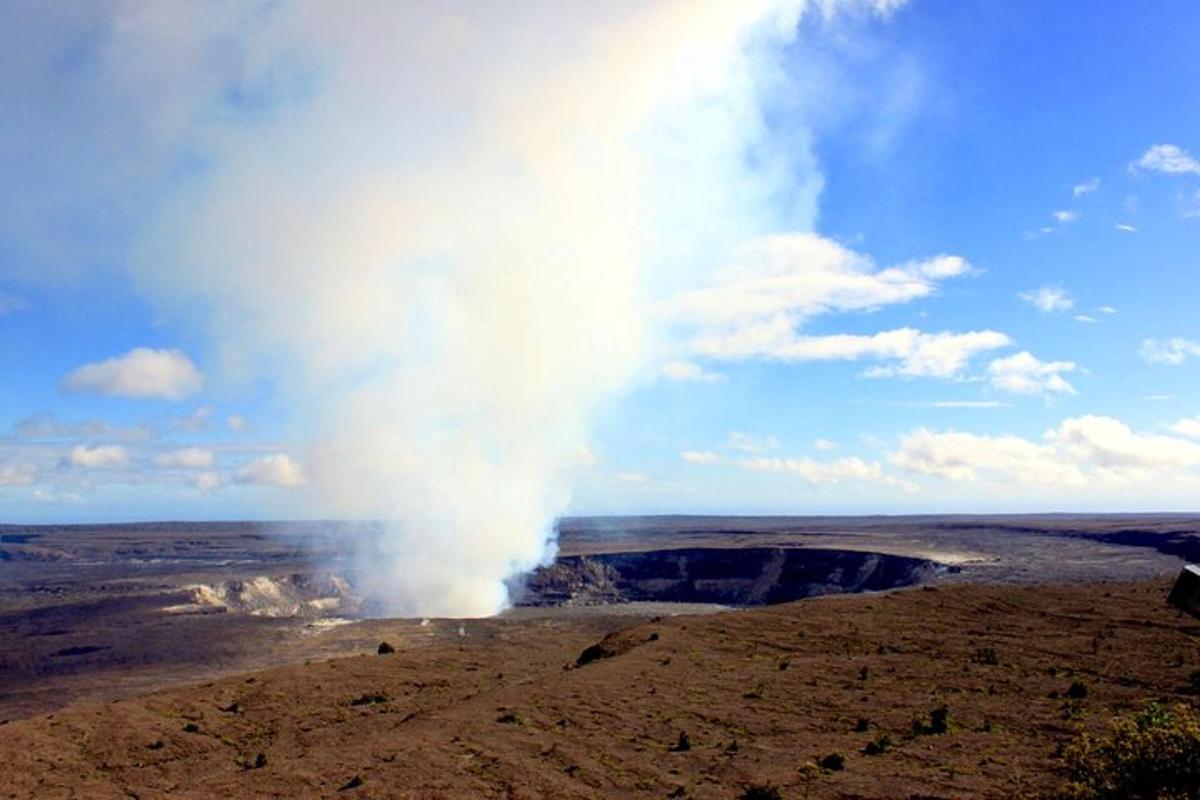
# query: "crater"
[751,576]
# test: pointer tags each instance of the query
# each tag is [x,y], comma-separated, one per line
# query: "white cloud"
[236,423]
[1124,228]
[825,445]
[1173,351]
[17,474]
[801,275]
[689,372]
[969,457]
[99,457]
[1169,159]
[817,473]
[273,470]
[185,458]
[1086,187]
[1063,217]
[1049,299]
[1106,310]
[1082,450]
[1084,318]
[754,308]
[702,457]
[630,477]
[751,442]
[1188,427]
[1023,373]
[142,372]
[914,353]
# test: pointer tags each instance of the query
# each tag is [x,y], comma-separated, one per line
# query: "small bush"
[760,791]
[880,745]
[1153,754]
[1077,690]
[833,762]
[938,724]
[682,744]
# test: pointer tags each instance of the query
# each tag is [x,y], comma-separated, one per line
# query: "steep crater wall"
[730,576]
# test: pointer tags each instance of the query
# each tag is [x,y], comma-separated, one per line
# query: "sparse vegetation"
[834,762]
[1077,690]
[938,724]
[370,698]
[760,791]
[878,746]
[1153,754]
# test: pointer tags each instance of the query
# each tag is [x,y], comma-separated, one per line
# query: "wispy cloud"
[99,457]
[751,442]
[1049,299]
[702,457]
[1063,217]
[1124,228]
[1173,351]
[689,372]
[1085,187]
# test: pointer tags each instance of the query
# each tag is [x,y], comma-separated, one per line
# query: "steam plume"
[440,229]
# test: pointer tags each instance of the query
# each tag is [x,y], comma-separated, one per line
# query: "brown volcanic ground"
[1025,607]
[503,711]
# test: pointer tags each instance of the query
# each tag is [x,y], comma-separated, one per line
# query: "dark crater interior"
[750,576]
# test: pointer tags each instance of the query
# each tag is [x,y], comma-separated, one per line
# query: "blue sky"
[932,256]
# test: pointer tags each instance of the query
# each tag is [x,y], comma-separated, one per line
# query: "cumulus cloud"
[1082,450]
[185,458]
[815,473]
[273,470]
[142,372]
[825,445]
[703,457]
[1172,352]
[1049,299]
[1169,159]
[99,457]
[236,423]
[780,281]
[1063,217]
[1188,427]
[1085,187]
[1023,373]
[689,372]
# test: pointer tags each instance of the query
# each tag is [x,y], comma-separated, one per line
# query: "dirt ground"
[687,706]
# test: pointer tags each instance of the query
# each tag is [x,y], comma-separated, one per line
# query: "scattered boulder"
[1185,594]
[385,649]
[353,783]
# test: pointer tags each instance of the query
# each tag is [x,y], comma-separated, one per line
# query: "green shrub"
[1153,754]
